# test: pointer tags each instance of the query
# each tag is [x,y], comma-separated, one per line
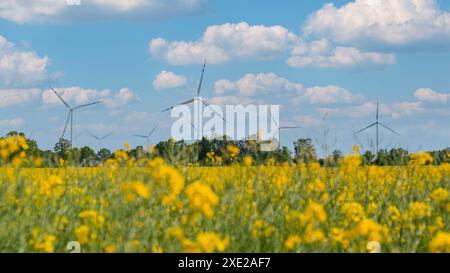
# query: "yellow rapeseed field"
[150,206]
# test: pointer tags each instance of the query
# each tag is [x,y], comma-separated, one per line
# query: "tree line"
[209,152]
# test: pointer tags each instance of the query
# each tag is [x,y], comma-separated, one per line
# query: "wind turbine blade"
[153,130]
[373,124]
[65,126]
[94,136]
[207,105]
[386,127]
[201,80]
[108,135]
[79,135]
[63,101]
[290,127]
[140,136]
[87,104]
[183,103]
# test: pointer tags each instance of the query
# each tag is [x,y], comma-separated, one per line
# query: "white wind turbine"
[70,114]
[281,128]
[377,123]
[198,101]
[148,136]
[100,139]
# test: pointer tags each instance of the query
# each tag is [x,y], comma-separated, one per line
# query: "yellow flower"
[440,243]
[370,230]
[419,210]
[206,242]
[261,229]
[201,197]
[439,195]
[45,242]
[92,217]
[292,241]
[338,235]
[110,249]
[394,214]
[248,160]
[135,189]
[353,211]
[157,249]
[314,236]
[82,234]
[420,159]
[176,232]
[233,150]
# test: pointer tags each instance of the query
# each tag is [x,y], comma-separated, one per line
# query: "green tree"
[62,148]
[305,151]
[103,154]
[88,156]
[398,157]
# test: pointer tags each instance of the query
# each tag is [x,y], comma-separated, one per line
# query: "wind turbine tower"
[377,123]
[148,136]
[70,115]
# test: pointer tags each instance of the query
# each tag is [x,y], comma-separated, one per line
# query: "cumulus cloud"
[29,11]
[230,100]
[252,84]
[14,97]
[270,83]
[394,23]
[428,95]
[328,95]
[223,43]
[393,110]
[168,80]
[306,120]
[77,96]
[12,123]
[220,43]
[339,57]
[124,97]
[19,67]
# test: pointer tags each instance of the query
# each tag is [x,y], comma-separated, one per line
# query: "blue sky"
[325,64]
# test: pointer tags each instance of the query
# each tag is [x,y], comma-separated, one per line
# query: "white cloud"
[328,95]
[28,11]
[168,80]
[12,123]
[320,55]
[77,95]
[223,43]
[389,23]
[124,97]
[265,83]
[306,120]
[402,109]
[252,84]
[220,43]
[19,67]
[230,100]
[14,97]
[368,109]
[428,95]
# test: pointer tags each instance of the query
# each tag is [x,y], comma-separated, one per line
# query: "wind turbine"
[148,136]
[70,115]
[281,128]
[377,123]
[100,139]
[198,101]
